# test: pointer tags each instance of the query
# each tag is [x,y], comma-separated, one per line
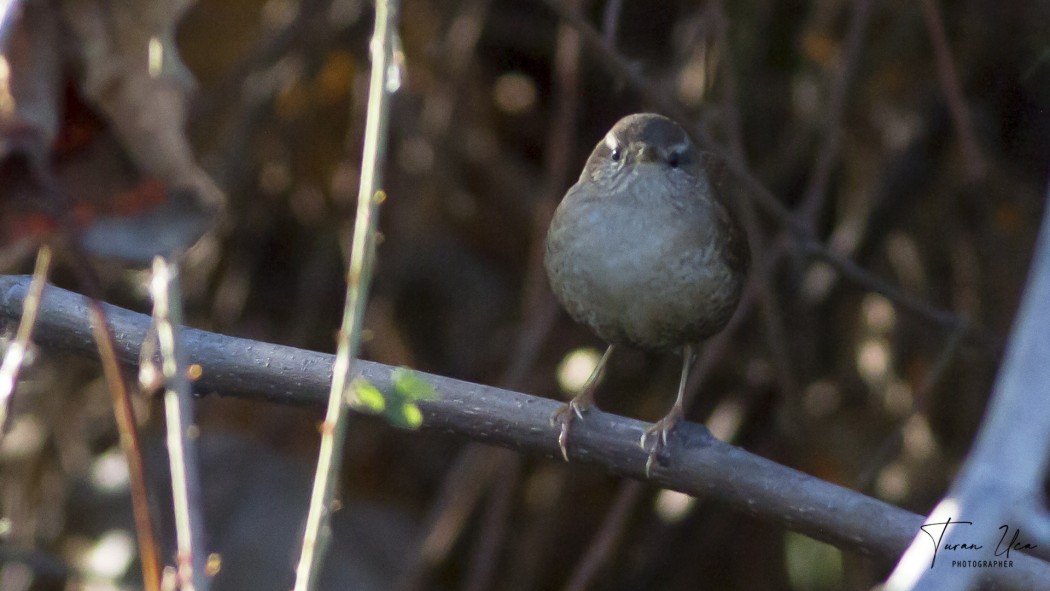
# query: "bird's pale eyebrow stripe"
[680,147]
[610,140]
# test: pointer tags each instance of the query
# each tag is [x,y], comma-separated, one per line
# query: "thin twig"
[385,80]
[494,524]
[129,443]
[814,198]
[178,411]
[699,465]
[734,125]
[890,446]
[15,355]
[898,296]
[611,20]
[539,312]
[608,536]
[104,343]
[953,94]
[763,257]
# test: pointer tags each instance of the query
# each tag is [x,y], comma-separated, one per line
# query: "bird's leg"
[660,429]
[580,404]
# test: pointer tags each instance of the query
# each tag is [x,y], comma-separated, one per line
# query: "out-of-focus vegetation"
[923,162]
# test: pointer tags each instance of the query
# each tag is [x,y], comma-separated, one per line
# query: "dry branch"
[698,464]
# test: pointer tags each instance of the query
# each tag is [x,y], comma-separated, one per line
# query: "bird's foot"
[657,435]
[563,417]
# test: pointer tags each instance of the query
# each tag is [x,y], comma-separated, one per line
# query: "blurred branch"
[620,66]
[17,351]
[843,72]
[479,464]
[607,538]
[698,464]
[385,80]
[1003,479]
[976,167]
[539,309]
[103,342]
[611,20]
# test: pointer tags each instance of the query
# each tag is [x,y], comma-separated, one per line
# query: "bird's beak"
[647,153]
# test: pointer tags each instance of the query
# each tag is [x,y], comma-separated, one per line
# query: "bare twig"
[494,524]
[474,468]
[698,464]
[608,536]
[385,80]
[890,446]
[103,340]
[971,151]
[891,292]
[814,198]
[15,355]
[763,257]
[178,411]
[611,20]
[129,441]
[538,312]
[539,308]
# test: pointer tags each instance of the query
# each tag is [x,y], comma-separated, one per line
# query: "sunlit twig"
[385,80]
[15,355]
[178,413]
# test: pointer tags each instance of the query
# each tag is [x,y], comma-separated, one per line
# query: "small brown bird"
[642,251]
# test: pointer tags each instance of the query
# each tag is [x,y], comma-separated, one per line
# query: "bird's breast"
[645,270]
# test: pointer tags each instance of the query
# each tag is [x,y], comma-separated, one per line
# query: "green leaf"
[366,397]
[413,415]
[397,406]
[410,386]
[406,416]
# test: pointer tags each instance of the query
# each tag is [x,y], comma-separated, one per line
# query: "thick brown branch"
[698,464]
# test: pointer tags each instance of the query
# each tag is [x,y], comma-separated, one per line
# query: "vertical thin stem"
[384,82]
[842,75]
[953,94]
[178,413]
[16,352]
[129,443]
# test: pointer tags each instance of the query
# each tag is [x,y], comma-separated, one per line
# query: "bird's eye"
[616,154]
[672,159]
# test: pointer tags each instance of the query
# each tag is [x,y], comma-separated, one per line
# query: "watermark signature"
[1001,552]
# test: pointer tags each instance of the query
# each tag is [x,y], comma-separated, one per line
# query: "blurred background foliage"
[936,191]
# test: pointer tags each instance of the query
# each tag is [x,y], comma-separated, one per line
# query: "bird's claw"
[564,417]
[657,433]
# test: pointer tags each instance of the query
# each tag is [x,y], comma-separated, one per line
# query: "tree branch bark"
[697,464]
